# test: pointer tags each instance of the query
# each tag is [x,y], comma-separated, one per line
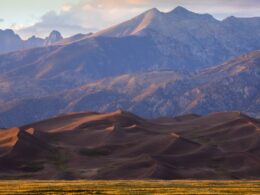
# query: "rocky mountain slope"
[191,40]
[151,41]
[232,86]
[121,145]
[154,64]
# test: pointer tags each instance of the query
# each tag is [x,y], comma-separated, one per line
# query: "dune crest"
[121,145]
[8,139]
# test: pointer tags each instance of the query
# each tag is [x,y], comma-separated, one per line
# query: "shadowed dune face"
[121,145]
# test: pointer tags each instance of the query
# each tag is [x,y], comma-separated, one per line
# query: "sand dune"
[8,138]
[121,145]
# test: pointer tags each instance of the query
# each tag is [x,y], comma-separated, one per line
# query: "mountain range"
[233,85]
[12,42]
[154,64]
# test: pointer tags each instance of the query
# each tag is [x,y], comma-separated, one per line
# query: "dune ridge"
[121,145]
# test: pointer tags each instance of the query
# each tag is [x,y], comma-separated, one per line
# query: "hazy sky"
[39,17]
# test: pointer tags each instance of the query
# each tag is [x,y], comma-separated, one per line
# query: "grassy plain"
[130,187]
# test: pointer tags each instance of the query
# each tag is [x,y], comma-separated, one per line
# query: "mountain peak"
[151,13]
[153,10]
[54,37]
[32,37]
[185,13]
[8,31]
[55,34]
[230,19]
[180,10]
[8,35]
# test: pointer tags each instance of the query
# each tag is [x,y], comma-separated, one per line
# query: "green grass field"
[130,187]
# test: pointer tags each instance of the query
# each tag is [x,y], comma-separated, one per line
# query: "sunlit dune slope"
[121,145]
